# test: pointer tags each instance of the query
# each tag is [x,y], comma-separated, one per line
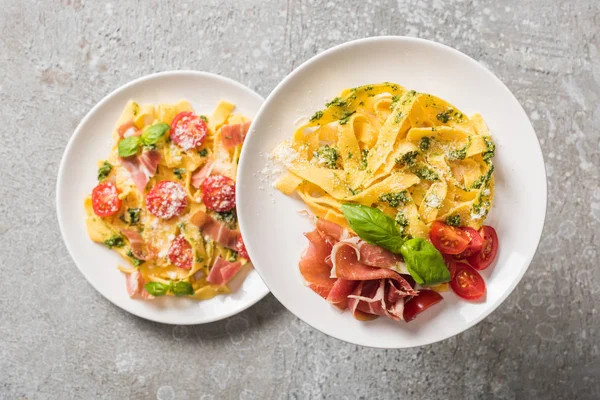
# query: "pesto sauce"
[134,260]
[115,241]
[328,156]
[401,222]
[395,199]
[364,154]
[425,143]
[453,220]
[104,171]
[316,116]
[408,158]
[346,117]
[179,172]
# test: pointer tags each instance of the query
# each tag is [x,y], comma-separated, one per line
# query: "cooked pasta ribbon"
[413,155]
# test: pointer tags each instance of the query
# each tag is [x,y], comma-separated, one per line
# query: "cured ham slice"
[347,266]
[353,274]
[134,283]
[136,242]
[233,135]
[216,230]
[313,267]
[380,297]
[141,168]
[341,289]
[201,174]
[128,129]
[222,271]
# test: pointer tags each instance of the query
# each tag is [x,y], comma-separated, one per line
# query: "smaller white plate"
[276,227]
[92,141]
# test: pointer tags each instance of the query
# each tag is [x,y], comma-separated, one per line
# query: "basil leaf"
[373,226]
[182,288]
[156,288]
[424,262]
[154,133]
[129,146]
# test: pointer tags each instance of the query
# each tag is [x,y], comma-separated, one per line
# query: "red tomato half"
[453,265]
[448,239]
[105,200]
[188,130]
[420,303]
[475,243]
[467,283]
[487,255]
[167,199]
[218,193]
[240,247]
[180,253]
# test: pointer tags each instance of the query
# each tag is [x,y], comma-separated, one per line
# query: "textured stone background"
[61,339]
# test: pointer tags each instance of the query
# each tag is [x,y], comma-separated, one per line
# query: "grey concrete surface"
[60,339]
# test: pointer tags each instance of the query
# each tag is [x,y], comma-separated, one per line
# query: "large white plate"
[273,228]
[92,141]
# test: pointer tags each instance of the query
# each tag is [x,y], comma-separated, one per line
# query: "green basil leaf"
[182,288]
[424,262]
[129,146]
[154,133]
[373,226]
[156,288]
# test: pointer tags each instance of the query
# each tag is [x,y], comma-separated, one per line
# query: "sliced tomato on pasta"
[180,253]
[105,200]
[240,247]
[167,199]
[218,193]
[188,130]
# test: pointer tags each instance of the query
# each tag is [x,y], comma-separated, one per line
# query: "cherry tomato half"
[475,243]
[453,265]
[218,193]
[425,299]
[180,253]
[487,255]
[467,283]
[166,199]
[105,200]
[448,239]
[188,130]
[240,247]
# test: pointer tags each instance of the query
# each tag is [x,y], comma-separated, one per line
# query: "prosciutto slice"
[134,282]
[313,267]
[136,242]
[141,168]
[353,274]
[128,129]
[222,271]
[201,174]
[215,230]
[233,135]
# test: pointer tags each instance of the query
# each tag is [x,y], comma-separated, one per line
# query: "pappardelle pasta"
[166,200]
[400,184]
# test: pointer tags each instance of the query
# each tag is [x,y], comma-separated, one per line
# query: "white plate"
[273,228]
[92,141]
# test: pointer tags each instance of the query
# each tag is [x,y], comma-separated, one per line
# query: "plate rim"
[61,176]
[391,38]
